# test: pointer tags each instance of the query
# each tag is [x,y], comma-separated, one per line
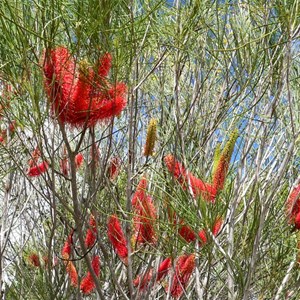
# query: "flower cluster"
[144,215]
[35,168]
[81,96]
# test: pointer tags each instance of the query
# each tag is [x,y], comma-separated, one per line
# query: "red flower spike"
[72,272]
[145,215]
[66,250]
[142,281]
[78,160]
[175,168]
[199,188]
[215,230]
[91,234]
[117,238]
[163,268]
[104,65]
[203,237]
[184,269]
[187,233]
[293,206]
[144,222]
[114,168]
[59,71]
[217,226]
[206,190]
[90,238]
[87,284]
[38,170]
[34,260]
[297,221]
[140,194]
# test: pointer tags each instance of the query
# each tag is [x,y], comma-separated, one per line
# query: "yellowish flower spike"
[151,138]
[216,158]
[222,164]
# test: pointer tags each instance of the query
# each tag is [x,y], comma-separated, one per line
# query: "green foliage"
[202,69]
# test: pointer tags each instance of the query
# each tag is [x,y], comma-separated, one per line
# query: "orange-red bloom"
[91,234]
[142,281]
[38,169]
[114,168]
[140,193]
[215,231]
[78,160]
[184,268]
[117,238]
[145,215]
[72,272]
[144,223]
[81,97]
[87,284]
[66,250]
[293,207]
[217,226]
[199,188]
[34,259]
[187,233]
[163,268]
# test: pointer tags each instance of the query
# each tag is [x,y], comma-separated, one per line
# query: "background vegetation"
[202,69]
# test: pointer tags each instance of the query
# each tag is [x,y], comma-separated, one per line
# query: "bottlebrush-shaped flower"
[145,214]
[163,268]
[91,234]
[217,226]
[143,281]
[293,207]
[72,272]
[87,284]
[117,238]
[60,80]
[66,250]
[176,168]
[202,237]
[81,97]
[206,190]
[221,167]
[151,137]
[114,168]
[78,160]
[184,268]
[186,233]
[140,194]
[34,259]
[38,169]
[144,222]
[215,231]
